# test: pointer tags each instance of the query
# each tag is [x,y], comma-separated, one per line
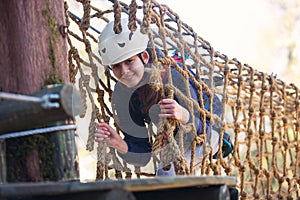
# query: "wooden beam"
[178,187]
[21,115]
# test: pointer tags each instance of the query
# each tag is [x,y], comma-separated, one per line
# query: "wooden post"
[25,115]
[2,161]
[34,54]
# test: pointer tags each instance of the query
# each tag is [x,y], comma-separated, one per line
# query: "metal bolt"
[63,30]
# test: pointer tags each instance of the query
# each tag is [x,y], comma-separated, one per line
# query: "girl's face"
[131,71]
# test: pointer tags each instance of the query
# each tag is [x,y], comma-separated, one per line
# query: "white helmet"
[115,48]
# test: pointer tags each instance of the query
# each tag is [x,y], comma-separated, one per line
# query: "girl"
[136,104]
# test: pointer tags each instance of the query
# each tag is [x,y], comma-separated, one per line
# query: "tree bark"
[33,54]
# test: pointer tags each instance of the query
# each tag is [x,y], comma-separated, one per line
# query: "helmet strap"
[141,58]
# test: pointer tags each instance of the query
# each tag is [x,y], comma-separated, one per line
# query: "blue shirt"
[131,116]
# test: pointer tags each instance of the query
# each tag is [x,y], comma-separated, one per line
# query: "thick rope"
[260,111]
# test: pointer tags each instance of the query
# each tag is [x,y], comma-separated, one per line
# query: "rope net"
[259,111]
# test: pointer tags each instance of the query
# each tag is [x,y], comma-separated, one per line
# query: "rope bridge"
[259,111]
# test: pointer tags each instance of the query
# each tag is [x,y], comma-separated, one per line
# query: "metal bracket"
[47,101]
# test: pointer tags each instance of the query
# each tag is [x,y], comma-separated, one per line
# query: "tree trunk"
[33,54]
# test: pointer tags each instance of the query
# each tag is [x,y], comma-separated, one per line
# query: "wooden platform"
[111,188]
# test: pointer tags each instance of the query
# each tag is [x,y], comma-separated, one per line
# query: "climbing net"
[260,112]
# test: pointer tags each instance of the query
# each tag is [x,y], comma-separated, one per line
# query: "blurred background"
[264,34]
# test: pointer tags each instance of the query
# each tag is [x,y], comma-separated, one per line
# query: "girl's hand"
[171,109]
[105,131]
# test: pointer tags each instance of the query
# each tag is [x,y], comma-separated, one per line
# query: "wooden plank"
[213,192]
[134,185]
[114,194]
[178,182]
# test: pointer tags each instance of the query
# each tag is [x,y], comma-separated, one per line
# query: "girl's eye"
[128,61]
[115,66]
